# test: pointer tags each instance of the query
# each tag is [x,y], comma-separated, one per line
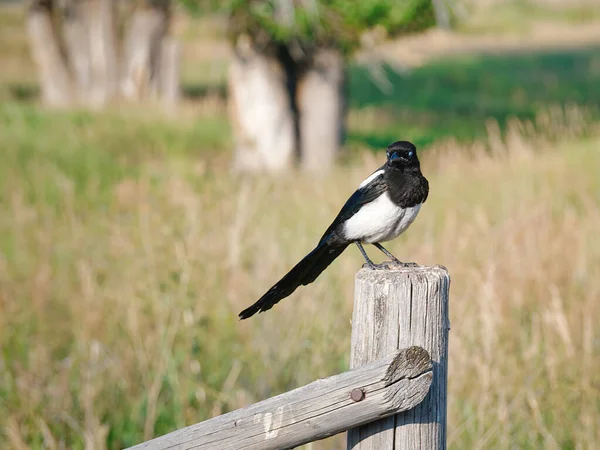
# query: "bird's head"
[402,155]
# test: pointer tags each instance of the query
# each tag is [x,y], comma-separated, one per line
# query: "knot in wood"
[357,394]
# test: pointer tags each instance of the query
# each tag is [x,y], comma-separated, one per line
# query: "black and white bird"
[382,208]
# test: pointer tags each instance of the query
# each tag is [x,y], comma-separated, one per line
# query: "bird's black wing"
[361,196]
[331,245]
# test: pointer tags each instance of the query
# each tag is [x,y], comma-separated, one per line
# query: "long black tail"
[303,273]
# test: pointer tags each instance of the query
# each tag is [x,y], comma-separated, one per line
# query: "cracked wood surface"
[393,309]
[396,382]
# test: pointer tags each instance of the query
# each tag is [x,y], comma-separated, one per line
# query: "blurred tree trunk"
[90,39]
[286,101]
[143,51]
[100,18]
[442,14]
[88,70]
[281,109]
[55,80]
[260,109]
[320,99]
[75,35]
[169,72]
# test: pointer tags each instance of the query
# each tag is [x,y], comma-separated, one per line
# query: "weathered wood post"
[393,309]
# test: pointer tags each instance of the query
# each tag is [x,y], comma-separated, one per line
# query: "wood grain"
[397,308]
[396,382]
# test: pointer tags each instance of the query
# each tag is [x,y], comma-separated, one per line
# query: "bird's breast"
[379,221]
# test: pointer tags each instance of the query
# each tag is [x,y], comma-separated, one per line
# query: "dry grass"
[14,54]
[118,302]
[127,250]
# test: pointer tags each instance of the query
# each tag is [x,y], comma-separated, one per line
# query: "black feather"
[303,273]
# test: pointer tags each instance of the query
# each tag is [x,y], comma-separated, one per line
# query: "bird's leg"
[392,257]
[387,253]
[370,263]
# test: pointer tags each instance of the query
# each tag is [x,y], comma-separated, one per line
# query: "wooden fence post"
[393,309]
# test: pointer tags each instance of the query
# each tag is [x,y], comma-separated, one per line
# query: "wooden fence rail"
[315,411]
[393,398]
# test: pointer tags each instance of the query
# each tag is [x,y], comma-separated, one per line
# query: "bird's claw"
[372,266]
[389,265]
[408,264]
[399,263]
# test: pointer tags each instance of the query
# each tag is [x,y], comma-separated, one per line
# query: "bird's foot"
[389,265]
[373,266]
[398,263]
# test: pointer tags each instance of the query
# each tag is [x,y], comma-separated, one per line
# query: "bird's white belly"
[379,221]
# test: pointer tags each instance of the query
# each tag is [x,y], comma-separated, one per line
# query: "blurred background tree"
[287,76]
[92,51]
[286,79]
[127,246]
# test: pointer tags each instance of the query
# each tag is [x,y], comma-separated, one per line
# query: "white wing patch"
[379,221]
[374,175]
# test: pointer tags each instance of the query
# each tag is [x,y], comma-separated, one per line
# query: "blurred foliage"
[310,24]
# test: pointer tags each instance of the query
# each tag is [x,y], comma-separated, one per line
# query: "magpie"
[382,208]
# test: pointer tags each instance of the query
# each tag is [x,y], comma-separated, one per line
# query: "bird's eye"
[410,154]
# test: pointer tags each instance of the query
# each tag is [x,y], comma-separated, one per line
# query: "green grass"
[456,97]
[127,250]
[98,150]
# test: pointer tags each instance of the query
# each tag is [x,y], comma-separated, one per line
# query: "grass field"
[126,257]
[127,248]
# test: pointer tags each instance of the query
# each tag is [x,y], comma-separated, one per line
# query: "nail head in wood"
[357,394]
